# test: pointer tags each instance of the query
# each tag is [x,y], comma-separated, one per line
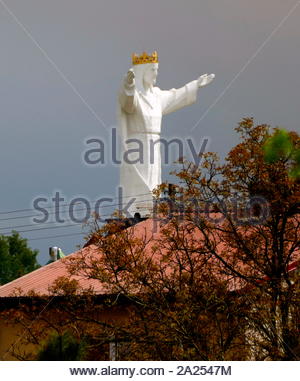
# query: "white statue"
[141,107]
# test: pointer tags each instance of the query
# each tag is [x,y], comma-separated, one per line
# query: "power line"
[52,227]
[28,225]
[55,236]
[42,223]
[78,210]
[67,204]
[53,222]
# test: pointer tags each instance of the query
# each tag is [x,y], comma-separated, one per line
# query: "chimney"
[53,253]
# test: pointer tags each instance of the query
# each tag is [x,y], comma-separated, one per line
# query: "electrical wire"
[55,236]
[67,204]
[12,228]
[66,210]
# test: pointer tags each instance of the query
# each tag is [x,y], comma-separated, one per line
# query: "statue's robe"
[139,117]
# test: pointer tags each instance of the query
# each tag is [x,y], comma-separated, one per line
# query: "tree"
[16,258]
[210,279]
[63,347]
[260,234]
[169,312]
[279,147]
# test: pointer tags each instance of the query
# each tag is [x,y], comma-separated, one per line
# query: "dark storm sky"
[60,70]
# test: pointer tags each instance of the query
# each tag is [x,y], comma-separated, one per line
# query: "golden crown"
[144,58]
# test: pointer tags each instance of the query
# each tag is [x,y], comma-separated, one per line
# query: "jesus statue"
[140,109]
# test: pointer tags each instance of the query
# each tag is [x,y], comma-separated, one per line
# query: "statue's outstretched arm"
[205,79]
[175,99]
[127,95]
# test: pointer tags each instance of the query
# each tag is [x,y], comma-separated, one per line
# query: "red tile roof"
[40,280]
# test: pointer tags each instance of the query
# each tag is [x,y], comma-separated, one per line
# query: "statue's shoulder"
[157,90]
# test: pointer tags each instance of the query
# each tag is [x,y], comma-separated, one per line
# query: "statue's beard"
[141,79]
[150,84]
[153,82]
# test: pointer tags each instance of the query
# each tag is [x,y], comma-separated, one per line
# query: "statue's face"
[150,74]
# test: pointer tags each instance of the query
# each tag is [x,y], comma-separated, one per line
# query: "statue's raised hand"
[205,79]
[129,79]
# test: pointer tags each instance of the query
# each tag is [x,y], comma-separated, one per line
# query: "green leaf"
[278,146]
